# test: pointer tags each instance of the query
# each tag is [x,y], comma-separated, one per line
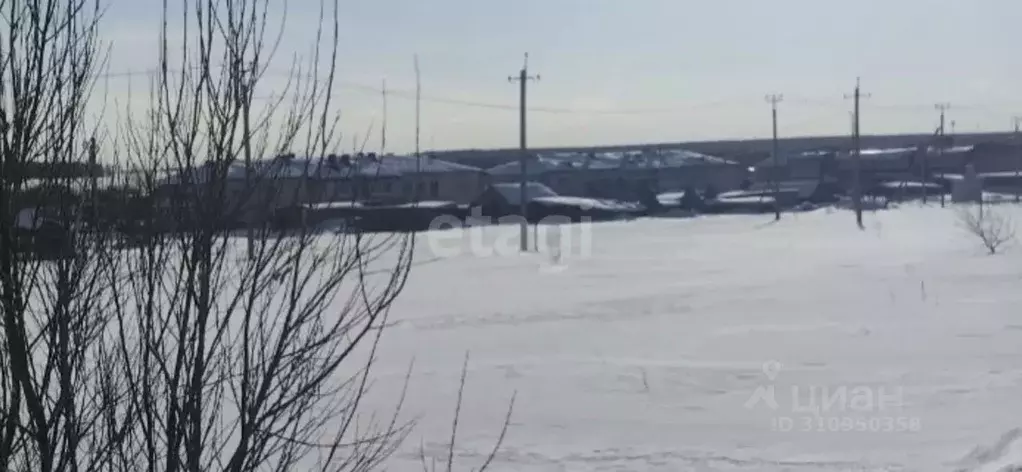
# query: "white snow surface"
[643,353]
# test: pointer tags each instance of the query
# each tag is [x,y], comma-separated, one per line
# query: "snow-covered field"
[645,353]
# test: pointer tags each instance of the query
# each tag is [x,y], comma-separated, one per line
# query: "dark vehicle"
[504,200]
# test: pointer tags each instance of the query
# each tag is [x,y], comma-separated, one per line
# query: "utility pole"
[93,181]
[942,108]
[418,130]
[857,156]
[1017,121]
[383,129]
[247,206]
[943,191]
[523,79]
[774,99]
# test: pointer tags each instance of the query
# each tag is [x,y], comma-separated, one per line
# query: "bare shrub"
[994,229]
[447,463]
[178,326]
[54,381]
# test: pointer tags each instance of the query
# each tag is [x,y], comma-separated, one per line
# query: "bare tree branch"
[993,229]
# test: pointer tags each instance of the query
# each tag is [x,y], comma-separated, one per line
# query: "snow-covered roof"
[85,183]
[803,188]
[1007,173]
[547,162]
[334,167]
[874,154]
[909,184]
[681,157]
[341,205]
[433,204]
[533,166]
[745,199]
[512,192]
[670,198]
[898,153]
[429,164]
[591,203]
[537,192]
[884,153]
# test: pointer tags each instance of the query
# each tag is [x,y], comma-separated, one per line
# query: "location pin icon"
[771,369]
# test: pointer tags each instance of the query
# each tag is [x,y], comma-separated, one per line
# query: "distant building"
[918,163]
[996,157]
[623,175]
[287,182]
[402,179]
[968,189]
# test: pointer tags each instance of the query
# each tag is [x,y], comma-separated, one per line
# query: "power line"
[992,108]
[407,94]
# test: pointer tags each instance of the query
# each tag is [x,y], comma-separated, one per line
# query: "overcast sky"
[633,71]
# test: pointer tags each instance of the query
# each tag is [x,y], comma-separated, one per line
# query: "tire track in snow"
[1003,456]
[611,310]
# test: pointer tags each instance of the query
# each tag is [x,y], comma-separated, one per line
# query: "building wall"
[336,190]
[266,197]
[625,182]
[458,187]
[721,177]
[240,201]
[996,158]
[515,177]
[570,182]
[951,162]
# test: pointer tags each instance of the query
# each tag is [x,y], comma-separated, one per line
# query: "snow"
[886,152]
[909,185]
[335,205]
[1014,174]
[434,204]
[637,345]
[590,203]
[670,198]
[533,167]
[749,199]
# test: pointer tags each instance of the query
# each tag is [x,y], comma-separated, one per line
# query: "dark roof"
[533,167]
